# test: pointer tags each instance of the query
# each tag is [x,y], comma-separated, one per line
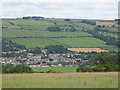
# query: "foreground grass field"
[55,69]
[61,80]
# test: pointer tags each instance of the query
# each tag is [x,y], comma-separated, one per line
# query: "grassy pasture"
[67,42]
[110,48]
[81,42]
[111,34]
[35,27]
[83,24]
[111,29]
[34,42]
[62,23]
[10,33]
[12,27]
[55,69]
[61,80]
[5,23]
[31,22]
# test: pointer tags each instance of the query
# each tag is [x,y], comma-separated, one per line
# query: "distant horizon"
[74,9]
[57,18]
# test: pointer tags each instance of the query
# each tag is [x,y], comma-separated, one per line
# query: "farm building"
[107,24]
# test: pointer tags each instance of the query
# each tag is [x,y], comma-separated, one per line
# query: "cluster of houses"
[42,60]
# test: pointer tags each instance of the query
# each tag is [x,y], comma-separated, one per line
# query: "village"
[46,60]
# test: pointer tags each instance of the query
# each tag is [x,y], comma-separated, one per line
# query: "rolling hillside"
[33,33]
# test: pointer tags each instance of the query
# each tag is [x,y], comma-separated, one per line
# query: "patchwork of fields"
[34,33]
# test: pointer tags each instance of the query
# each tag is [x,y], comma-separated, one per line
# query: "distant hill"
[72,33]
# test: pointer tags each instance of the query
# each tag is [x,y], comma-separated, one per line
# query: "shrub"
[20,69]
[110,68]
[83,69]
[54,29]
[98,68]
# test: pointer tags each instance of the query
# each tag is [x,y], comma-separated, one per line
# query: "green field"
[81,42]
[61,80]
[69,42]
[5,23]
[110,48]
[12,33]
[111,29]
[31,22]
[34,42]
[55,69]
[111,34]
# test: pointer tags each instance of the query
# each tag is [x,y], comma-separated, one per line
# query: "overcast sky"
[80,9]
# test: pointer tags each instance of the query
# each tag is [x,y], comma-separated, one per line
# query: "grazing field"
[34,42]
[31,22]
[110,48]
[87,50]
[5,23]
[111,29]
[68,42]
[54,69]
[12,33]
[111,34]
[81,42]
[61,80]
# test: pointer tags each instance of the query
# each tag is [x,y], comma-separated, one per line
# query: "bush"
[56,49]
[110,68]
[83,69]
[52,71]
[54,29]
[105,68]
[88,22]
[20,69]
[98,68]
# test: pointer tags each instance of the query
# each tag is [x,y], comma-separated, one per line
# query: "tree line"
[56,49]
[58,29]
[11,46]
[88,22]
[108,39]
[10,68]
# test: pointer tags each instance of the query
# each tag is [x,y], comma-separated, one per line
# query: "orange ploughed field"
[87,50]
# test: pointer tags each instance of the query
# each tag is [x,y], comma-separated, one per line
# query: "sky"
[78,9]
